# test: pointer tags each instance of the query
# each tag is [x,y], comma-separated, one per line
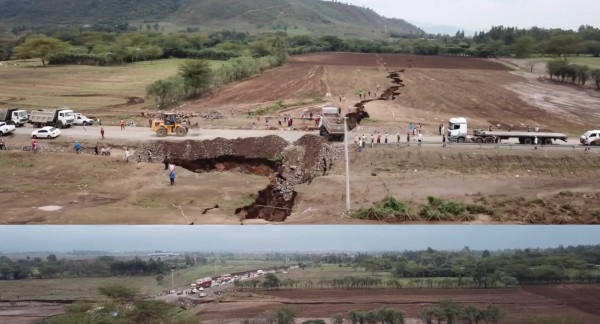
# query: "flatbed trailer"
[544,138]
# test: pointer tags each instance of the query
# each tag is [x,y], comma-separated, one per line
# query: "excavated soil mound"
[285,165]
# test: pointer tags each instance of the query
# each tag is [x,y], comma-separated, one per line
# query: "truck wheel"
[180,132]
[322,131]
[489,140]
[59,125]
[594,143]
[547,141]
[527,141]
[1,134]
[34,136]
[479,140]
[460,140]
[161,132]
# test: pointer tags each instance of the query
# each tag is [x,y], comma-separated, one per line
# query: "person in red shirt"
[102,132]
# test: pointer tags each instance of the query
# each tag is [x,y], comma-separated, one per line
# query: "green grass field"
[81,87]
[592,62]
[87,288]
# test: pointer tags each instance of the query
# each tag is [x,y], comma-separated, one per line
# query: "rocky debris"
[212,115]
[158,114]
[285,165]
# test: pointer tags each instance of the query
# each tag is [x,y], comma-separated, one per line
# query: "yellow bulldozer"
[169,124]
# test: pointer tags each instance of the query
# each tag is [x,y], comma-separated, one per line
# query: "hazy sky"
[482,14]
[288,238]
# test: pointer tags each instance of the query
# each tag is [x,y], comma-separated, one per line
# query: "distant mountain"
[292,16]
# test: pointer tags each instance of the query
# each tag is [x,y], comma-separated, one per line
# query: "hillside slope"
[293,16]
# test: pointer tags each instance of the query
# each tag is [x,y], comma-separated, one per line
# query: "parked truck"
[14,116]
[58,118]
[458,132]
[204,282]
[331,123]
[6,129]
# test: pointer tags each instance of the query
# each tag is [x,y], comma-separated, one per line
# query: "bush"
[440,210]
[387,209]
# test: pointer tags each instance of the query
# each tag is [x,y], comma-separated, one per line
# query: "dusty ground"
[28,312]
[520,185]
[577,301]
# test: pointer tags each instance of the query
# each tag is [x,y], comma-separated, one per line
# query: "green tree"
[284,315]
[152,51]
[197,76]
[271,281]
[562,45]
[595,74]
[119,292]
[279,51]
[160,279]
[40,46]
[524,46]
[165,91]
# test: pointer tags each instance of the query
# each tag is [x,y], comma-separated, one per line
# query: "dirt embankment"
[285,165]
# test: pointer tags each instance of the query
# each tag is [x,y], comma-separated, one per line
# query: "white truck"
[6,129]
[80,119]
[331,123]
[458,132]
[14,116]
[58,118]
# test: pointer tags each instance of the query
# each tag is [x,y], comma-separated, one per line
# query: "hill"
[293,16]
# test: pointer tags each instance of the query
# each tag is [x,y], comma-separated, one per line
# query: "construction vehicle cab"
[168,125]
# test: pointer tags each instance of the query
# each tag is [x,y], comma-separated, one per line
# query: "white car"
[82,120]
[46,132]
[6,128]
[588,137]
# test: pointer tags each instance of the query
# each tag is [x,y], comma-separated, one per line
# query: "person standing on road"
[166,162]
[408,138]
[378,137]
[102,132]
[398,138]
[99,122]
[440,128]
[420,138]
[122,123]
[84,129]
[444,140]
[537,129]
[172,177]
[386,138]
[96,150]
[443,130]
[77,147]
[372,140]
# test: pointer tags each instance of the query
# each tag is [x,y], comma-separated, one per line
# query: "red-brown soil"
[582,302]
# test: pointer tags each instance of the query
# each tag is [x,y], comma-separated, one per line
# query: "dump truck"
[458,132]
[331,123]
[14,116]
[59,118]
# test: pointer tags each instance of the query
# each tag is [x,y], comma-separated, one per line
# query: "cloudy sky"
[482,14]
[288,238]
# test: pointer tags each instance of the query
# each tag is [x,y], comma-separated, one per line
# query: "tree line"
[72,45]
[576,73]
[481,269]
[103,266]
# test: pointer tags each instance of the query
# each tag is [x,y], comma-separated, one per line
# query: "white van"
[589,136]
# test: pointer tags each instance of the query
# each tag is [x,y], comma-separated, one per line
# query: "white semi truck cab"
[457,129]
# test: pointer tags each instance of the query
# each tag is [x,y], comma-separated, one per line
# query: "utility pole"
[172,278]
[347,164]
[215,267]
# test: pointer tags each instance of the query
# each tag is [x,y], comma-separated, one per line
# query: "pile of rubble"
[211,115]
[285,165]
[159,113]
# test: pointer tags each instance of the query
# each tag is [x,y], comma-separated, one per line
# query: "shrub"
[388,208]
